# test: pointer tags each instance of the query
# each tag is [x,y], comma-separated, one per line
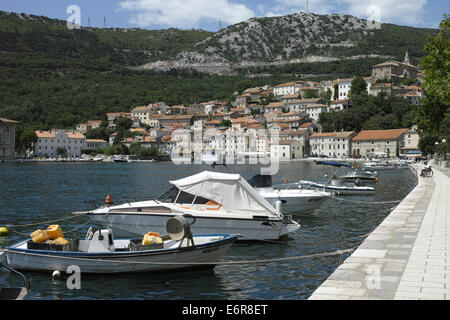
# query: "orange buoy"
[286,181]
[376,179]
[108,200]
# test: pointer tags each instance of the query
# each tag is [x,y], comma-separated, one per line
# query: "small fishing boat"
[338,188]
[99,252]
[293,197]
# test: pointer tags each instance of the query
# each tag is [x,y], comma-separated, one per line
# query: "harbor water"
[32,192]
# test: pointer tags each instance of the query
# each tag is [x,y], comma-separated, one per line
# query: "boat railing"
[99,203]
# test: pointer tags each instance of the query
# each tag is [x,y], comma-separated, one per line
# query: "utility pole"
[220,24]
[307,6]
[89,21]
[104,22]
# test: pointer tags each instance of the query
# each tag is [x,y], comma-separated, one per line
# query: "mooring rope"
[42,222]
[316,255]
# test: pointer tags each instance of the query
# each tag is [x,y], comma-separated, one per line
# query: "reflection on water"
[40,192]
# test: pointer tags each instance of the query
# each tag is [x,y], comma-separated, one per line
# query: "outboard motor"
[102,241]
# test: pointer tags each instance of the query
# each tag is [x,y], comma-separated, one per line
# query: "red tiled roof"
[391,134]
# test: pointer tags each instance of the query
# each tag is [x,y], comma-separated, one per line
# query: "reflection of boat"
[293,200]
[339,188]
[14,293]
[103,254]
[221,203]
[120,158]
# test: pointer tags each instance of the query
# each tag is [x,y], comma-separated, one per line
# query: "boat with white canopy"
[220,203]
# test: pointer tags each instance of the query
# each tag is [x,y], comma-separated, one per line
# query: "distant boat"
[120,159]
[377,165]
[334,163]
[294,199]
[339,189]
[97,159]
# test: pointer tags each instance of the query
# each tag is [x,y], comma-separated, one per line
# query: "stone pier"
[407,256]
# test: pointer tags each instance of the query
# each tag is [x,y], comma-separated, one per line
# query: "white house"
[49,141]
[285,150]
[331,144]
[314,110]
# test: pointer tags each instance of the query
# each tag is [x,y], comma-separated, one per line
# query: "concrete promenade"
[407,256]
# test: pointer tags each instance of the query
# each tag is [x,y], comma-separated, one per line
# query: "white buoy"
[278,206]
[56,274]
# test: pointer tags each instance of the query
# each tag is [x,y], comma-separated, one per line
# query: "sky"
[211,15]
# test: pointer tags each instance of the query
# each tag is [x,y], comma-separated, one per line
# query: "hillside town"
[246,126]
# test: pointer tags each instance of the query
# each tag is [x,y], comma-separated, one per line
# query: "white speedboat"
[97,159]
[294,199]
[359,175]
[220,202]
[339,189]
[103,254]
[377,165]
[120,158]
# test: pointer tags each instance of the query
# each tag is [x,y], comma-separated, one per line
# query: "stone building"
[7,138]
[378,143]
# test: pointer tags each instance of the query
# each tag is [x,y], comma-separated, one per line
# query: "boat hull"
[203,255]
[297,204]
[137,224]
[341,190]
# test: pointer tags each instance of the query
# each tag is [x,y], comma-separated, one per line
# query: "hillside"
[51,76]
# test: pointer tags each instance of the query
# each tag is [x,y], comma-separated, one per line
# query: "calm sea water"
[40,192]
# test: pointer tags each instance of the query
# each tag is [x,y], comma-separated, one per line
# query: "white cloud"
[409,12]
[185,13]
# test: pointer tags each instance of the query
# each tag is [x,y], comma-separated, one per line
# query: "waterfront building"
[378,143]
[410,146]
[300,104]
[49,142]
[331,144]
[285,150]
[7,138]
[95,144]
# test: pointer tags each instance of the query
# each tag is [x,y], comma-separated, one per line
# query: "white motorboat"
[120,158]
[293,197]
[101,253]
[97,159]
[340,189]
[359,175]
[377,165]
[221,203]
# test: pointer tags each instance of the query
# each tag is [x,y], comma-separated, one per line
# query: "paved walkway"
[406,257]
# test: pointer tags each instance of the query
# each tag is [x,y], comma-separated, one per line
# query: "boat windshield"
[170,195]
[261,181]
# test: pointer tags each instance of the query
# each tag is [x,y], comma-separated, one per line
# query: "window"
[7,129]
[1,128]
[1,142]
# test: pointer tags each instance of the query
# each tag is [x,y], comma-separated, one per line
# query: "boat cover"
[230,190]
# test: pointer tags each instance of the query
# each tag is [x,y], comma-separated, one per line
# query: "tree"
[28,138]
[60,151]
[434,108]
[359,87]
[310,94]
